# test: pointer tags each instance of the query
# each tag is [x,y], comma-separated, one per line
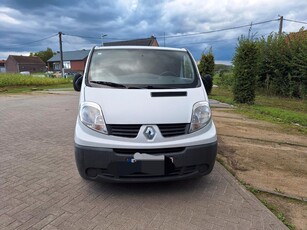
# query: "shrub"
[281,64]
[245,71]
[206,64]
[225,79]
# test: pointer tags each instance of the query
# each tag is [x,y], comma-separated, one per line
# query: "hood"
[139,106]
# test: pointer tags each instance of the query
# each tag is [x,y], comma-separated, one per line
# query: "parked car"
[144,116]
[25,73]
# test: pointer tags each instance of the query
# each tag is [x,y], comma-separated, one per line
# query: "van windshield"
[141,68]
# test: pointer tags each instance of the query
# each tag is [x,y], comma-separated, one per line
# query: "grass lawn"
[16,83]
[292,113]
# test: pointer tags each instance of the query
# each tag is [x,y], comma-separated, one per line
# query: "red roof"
[27,59]
[2,61]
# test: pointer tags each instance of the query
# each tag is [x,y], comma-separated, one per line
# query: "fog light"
[203,168]
[91,172]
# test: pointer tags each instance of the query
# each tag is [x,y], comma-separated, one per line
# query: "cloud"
[4,55]
[23,22]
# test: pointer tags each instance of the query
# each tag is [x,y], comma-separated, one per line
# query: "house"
[2,66]
[17,64]
[73,61]
[151,41]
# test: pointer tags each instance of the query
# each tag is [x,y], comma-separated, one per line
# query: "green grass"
[277,213]
[16,83]
[26,89]
[274,109]
[9,80]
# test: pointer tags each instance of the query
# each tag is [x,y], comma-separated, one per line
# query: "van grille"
[171,130]
[124,130]
[131,131]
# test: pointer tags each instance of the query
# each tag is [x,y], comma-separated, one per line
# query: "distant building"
[2,66]
[17,64]
[74,61]
[152,41]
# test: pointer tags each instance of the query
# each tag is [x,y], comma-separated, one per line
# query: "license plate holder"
[139,163]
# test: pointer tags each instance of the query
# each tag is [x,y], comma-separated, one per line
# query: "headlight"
[91,116]
[201,116]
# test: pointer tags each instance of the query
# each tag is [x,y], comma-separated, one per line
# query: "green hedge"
[244,71]
[281,67]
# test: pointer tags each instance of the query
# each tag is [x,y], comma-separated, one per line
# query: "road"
[40,187]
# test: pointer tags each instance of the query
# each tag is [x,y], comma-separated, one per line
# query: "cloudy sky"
[32,25]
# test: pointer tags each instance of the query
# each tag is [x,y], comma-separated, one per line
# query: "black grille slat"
[131,131]
[171,130]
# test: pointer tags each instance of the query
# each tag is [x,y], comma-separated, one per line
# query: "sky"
[198,25]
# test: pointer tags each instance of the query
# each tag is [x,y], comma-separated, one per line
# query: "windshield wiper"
[107,83]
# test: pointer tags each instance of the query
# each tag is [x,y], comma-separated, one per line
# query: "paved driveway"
[40,187]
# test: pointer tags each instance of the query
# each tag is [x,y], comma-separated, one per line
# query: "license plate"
[149,164]
[140,163]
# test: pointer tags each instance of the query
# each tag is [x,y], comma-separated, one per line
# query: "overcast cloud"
[25,21]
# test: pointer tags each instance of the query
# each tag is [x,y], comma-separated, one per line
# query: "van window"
[143,68]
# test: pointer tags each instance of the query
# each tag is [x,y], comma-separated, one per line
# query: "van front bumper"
[115,165]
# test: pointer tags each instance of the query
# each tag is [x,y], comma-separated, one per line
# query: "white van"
[144,116]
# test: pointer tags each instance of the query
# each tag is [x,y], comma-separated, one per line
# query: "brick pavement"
[40,187]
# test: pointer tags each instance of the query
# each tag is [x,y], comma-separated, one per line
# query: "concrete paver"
[40,187]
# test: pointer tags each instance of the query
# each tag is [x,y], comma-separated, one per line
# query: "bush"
[225,79]
[206,64]
[245,71]
[281,64]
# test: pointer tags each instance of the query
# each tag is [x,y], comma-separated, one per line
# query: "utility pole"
[281,20]
[61,54]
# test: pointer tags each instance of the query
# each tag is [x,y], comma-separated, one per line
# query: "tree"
[44,55]
[245,70]
[206,64]
[206,69]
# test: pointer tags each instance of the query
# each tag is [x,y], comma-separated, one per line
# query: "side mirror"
[77,82]
[207,81]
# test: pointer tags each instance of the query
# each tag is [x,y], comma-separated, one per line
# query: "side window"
[187,68]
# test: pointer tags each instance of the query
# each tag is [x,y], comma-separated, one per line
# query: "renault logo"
[149,132]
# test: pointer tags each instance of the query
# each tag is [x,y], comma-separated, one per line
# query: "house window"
[56,66]
[66,64]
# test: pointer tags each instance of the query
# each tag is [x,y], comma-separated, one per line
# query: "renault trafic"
[144,116]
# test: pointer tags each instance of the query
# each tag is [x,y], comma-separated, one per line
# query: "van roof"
[139,47]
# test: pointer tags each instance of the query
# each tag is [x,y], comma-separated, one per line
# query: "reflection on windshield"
[142,67]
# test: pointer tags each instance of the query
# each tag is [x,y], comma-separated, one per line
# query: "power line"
[219,30]
[290,20]
[180,35]
[211,41]
[81,36]
[42,39]
[99,38]
[202,42]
